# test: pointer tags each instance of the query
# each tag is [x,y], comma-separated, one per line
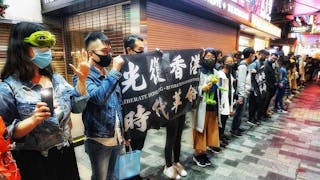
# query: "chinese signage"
[261,8]
[265,26]
[157,87]
[231,8]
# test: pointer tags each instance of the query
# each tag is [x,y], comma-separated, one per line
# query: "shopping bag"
[127,165]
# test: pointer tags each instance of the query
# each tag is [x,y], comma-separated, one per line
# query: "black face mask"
[105,60]
[138,52]
[229,66]
[208,64]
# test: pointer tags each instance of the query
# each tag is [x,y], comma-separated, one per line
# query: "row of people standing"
[42,135]
[43,139]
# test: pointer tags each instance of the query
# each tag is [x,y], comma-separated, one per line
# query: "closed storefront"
[113,20]
[172,29]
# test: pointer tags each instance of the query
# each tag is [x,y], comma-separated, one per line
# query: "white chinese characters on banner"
[130,79]
[160,107]
[191,94]
[137,120]
[155,71]
[177,100]
[177,66]
[194,64]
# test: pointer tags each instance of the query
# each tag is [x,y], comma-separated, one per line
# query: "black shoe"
[241,130]
[222,144]
[251,123]
[206,160]
[224,140]
[236,132]
[227,137]
[214,149]
[199,160]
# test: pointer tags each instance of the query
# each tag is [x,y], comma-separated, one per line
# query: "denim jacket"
[17,103]
[105,100]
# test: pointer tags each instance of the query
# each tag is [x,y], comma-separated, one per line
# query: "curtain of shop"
[172,29]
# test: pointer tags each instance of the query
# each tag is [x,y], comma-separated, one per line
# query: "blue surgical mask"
[42,59]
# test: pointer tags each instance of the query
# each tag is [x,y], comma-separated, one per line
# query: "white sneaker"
[180,169]
[171,172]
[283,111]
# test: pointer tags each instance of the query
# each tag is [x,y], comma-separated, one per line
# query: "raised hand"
[82,72]
[117,63]
[83,66]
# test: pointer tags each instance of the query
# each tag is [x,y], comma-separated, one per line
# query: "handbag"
[127,164]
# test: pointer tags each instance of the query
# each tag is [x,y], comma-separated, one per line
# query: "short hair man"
[243,87]
[102,117]
[133,44]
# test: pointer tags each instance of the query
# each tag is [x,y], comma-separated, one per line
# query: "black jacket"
[270,73]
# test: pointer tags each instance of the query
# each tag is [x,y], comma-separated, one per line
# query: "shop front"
[183,24]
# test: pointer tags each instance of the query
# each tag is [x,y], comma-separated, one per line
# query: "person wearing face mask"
[42,135]
[271,82]
[226,98]
[205,132]
[102,117]
[134,44]
[258,88]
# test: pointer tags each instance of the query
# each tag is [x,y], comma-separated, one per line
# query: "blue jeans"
[236,122]
[102,158]
[279,95]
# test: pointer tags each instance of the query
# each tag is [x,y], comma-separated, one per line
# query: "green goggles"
[41,39]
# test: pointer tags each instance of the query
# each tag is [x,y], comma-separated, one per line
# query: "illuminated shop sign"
[262,8]
[230,8]
[265,26]
[301,29]
[315,29]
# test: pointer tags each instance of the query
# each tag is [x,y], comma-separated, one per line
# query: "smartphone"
[47,97]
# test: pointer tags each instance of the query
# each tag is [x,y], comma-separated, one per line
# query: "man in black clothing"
[134,44]
[271,81]
[257,95]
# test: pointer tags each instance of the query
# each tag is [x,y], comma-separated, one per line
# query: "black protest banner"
[158,86]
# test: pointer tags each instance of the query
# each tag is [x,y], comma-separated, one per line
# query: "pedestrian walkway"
[287,146]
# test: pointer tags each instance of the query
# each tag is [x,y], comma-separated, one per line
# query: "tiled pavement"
[287,146]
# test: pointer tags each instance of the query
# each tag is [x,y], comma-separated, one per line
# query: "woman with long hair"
[41,130]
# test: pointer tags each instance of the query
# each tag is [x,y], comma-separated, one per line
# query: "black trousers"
[60,164]
[173,140]
[256,107]
[137,139]
[270,94]
[224,119]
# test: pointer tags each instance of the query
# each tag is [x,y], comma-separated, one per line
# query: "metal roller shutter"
[171,29]
[114,21]
[4,39]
